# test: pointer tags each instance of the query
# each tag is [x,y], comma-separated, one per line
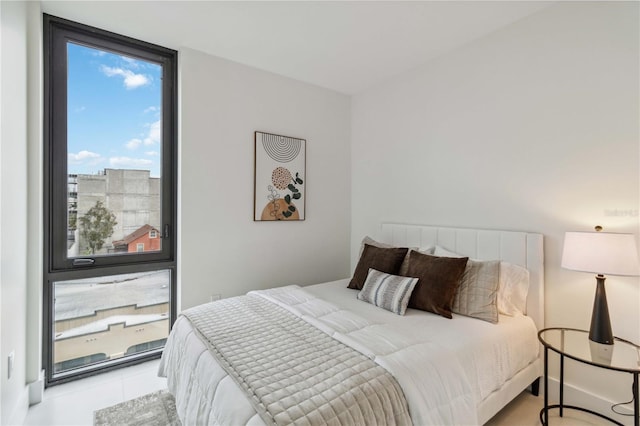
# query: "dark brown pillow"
[439,279]
[387,260]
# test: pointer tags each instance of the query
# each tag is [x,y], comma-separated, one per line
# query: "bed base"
[535,387]
[495,402]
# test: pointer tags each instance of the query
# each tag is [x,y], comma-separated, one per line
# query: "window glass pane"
[113,153]
[110,195]
[110,317]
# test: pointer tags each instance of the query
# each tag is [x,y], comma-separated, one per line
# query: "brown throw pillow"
[405,263]
[439,281]
[387,260]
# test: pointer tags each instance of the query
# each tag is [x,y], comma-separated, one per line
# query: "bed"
[361,364]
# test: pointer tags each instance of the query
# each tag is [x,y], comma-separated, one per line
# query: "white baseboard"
[36,390]
[582,398]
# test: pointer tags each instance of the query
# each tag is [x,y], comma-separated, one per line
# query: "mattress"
[446,367]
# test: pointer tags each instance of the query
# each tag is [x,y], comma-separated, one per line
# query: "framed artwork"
[279,187]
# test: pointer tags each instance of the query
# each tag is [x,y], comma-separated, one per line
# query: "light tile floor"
[74,403]
[524,410]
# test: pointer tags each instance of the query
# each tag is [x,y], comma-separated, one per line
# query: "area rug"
[157,408]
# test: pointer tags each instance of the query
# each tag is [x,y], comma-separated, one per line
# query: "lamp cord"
[614,406]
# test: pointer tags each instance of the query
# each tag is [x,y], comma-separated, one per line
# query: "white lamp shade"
[601,252]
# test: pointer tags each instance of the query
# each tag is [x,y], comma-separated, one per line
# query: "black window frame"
[57,267]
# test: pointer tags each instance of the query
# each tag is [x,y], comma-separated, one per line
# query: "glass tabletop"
[574,343]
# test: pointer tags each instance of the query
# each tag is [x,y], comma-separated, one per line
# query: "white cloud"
[84,160]
[131,79]
[155,133]
[83,156]
[151,109]
[152,138]
[133,143]
[127,162]
[80,109]
[152,153]
[133,63]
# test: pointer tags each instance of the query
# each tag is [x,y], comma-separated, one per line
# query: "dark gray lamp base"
[600,330]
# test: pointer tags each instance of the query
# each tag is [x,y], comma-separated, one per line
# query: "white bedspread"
[445,367]
[490,354]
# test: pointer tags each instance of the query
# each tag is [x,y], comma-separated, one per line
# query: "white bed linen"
[467,359]
[490,354]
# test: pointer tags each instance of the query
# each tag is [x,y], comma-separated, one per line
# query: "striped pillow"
[390,292]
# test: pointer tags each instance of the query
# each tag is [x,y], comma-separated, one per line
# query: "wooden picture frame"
[280,178]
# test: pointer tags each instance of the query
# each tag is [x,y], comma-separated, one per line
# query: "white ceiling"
[346,46]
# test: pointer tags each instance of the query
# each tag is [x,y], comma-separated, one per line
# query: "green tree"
[73,219]
[96,226]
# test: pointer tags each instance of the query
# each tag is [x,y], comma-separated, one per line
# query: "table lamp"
[601,253]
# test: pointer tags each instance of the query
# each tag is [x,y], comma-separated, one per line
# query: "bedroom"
[532,127]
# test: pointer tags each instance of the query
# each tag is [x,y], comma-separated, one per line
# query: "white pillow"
[512,288]
[425,250]
[386,291]
[443,252]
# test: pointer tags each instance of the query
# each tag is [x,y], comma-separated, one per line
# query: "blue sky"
[113,110]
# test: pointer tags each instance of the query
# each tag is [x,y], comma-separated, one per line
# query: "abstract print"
[279,177]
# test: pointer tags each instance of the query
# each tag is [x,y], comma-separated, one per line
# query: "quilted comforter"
[292,372]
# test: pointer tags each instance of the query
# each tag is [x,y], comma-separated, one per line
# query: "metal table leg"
[546,386]
[561,384]
[636,412]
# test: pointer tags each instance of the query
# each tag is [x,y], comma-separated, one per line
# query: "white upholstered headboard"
[520,248]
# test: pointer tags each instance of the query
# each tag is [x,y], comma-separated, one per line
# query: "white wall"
[534,127]
[222,250]
[13,209]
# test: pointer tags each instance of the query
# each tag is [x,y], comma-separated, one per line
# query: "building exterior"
[145,238]
[109,334]
[133,196]
[104,318]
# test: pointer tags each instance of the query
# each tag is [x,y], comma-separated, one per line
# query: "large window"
[110,199]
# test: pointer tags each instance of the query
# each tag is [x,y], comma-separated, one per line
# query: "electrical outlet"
[10,364]
[215,297]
